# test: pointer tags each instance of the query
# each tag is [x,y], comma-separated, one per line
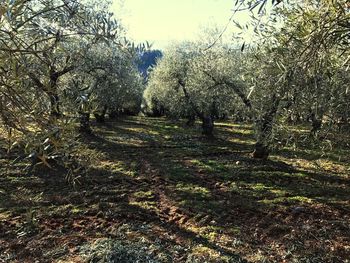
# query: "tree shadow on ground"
[189,191]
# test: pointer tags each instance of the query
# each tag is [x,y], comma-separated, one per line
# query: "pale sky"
[162,22]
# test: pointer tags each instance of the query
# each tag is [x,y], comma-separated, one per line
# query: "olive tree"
[43,45]
[296,65]
[194,83]
[108,80]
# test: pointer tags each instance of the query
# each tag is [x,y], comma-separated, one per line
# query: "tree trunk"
[208,126]
[100,117]
[191,120]
[341,123]
[54,106]
[316,124]
[261,151]
[85,123]
[113,114]
[264,130]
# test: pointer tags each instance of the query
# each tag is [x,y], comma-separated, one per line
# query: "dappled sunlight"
[242,141]
[210,199]
[147,205]
[229,145]
[288,200]
[145,200]
[209,165]
[116,167]
[191,191]
[235,126]
[324,165]
[142,130]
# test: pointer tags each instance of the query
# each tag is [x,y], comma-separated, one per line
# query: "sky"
[163,22]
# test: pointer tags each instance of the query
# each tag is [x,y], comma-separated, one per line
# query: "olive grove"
[195,84]
[61,60]
[304,68]
[295,70]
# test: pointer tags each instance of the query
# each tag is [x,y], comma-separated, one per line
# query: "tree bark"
[113,114]
[85,123]
[208,126]
[191,120]
[316,124]
[100,117]
[55,106]
[261,151]
[264,130]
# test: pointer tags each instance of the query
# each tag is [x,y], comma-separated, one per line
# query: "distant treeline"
[147,60]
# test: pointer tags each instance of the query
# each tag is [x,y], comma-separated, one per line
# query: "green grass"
[156,185]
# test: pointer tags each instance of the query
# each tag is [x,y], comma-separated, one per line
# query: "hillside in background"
[147,60]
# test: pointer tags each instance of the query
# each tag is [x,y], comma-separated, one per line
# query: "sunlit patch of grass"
[235,125]
[193,190]
[134,129]
[257,190]
[131,142]
[209,165]
[117,167]
[26,196]
[242,141]
[259,187]
[147,205]
[300,175]
[144,194]
[140,130]
[320,164]
[234,230]
[144,199]
[4,215]
[170,127]
[301,129]
[258,256]
[242,131]
[278,192]
[214,233]
[330,166]
[287,200]
[302,199]
[202,253]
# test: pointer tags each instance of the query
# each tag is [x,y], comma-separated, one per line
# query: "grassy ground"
[155,191]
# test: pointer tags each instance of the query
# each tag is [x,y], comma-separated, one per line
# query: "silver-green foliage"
[189,80]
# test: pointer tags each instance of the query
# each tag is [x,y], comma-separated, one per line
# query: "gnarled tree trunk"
[207,126]
[316,123]
[85,123]
[100,116]
[55,106]
[191,120]
[264,130]
[113,114]
[261,151]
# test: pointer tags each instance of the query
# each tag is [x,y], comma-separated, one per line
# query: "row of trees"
[62,60]
[295,71]
[189,83]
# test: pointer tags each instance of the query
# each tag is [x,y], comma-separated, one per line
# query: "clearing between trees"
[153,190]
